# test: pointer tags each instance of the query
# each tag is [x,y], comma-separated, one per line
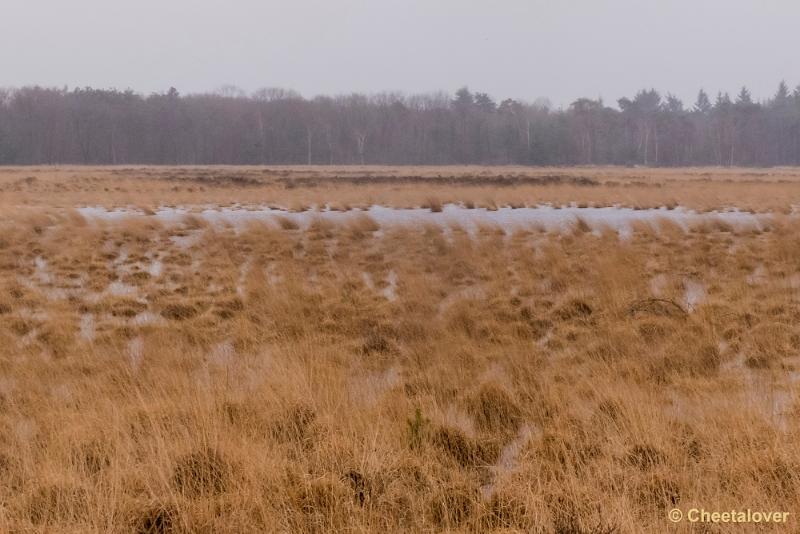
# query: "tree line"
[275,126]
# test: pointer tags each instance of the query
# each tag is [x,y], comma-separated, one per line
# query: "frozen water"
[87,327]
[136,352]
[155,268]
[695,293]
[549,217]
[390,291]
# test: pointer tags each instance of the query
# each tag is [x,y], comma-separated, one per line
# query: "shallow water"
[155,268]
[42,272]
[136,352]
[121,289]
[695,293]
[544,216]
[87,327]
[390,291]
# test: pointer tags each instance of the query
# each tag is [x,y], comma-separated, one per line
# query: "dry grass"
[187,377]
[301,188]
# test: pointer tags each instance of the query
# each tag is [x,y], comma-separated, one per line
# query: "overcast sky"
[560,49]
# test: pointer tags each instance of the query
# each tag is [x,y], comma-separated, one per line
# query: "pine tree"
[703,104]
[744,97]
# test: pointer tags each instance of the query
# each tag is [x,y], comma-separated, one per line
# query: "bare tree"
[279,126]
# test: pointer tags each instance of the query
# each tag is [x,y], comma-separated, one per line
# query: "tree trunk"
[113,149]
[528,132]
[308,144]
[361,141]
[263,136]
[655,140]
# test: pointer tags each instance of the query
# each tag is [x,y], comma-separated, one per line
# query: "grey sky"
[561,49]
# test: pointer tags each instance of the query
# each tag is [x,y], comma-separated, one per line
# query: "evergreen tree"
[703,104]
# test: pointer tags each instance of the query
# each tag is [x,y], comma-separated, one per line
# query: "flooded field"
[445,358]
[508,219]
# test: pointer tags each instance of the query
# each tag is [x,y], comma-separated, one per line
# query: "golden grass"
[300,188]
[188,377]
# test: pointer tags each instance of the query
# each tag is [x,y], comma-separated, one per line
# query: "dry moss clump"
[201,473]
[494,410]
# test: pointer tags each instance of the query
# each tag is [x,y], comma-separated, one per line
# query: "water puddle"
[466,293]
[758,277]
[222,354]
[135,352]
[657,285]
[155,268]
[770,392]
[120,289]
[508,459]
[541,217]
[147,318]
[390,291]
[42,273]
[87,327]
[695,293]
[369,388]
[367,278]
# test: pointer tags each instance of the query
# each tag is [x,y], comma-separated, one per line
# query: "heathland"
[314,367]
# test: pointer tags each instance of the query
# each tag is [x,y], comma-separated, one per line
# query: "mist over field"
[519,49]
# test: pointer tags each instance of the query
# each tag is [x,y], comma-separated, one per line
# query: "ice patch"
[657,284]
[244,270]
[544,216]
[367,278]
[42,273]
[147,318]
[222,354]
[794,281]
[120,289]
[508,459]
[136,352]
[185,241]
[758,276]
[87,327]
[273,276]
[370,388]
[155,268]
[471,292]
[695,293]
[390,291]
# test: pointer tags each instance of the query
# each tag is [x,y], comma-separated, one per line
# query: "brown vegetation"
[353,377]
[301,188]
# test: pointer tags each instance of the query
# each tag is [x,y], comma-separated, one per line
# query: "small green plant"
[416,429]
